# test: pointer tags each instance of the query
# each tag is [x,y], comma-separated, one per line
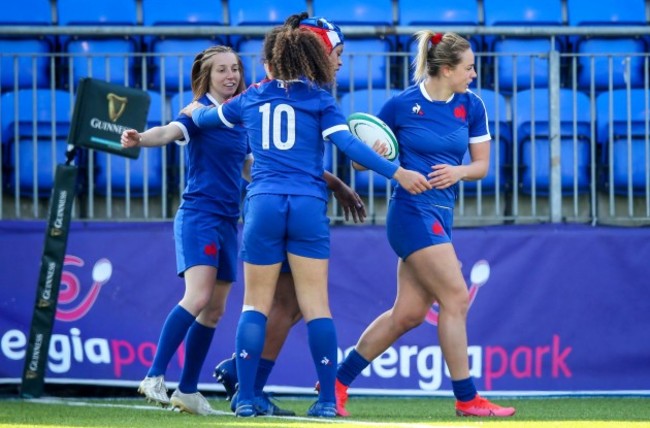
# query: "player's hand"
[130,138]
[188,109]
[380,148]
[443,176]
[412,181]
[351,203]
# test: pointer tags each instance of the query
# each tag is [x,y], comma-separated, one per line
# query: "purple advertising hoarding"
[554,309]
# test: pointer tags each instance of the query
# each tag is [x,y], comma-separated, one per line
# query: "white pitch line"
[66,402]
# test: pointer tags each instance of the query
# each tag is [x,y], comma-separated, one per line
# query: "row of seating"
[513,62]
[34,140]
[354,12]
[517,65]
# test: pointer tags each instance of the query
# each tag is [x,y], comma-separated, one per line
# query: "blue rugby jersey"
[433,132]
[213,168]
[286,127]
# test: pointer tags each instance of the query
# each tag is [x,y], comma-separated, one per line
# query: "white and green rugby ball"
[369,128]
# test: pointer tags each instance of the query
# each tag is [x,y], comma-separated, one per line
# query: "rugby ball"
[369,128]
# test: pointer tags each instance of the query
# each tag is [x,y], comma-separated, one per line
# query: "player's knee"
[212,315]
[408,321]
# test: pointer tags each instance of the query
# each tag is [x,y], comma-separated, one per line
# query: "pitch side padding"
[102,111]
[49,279]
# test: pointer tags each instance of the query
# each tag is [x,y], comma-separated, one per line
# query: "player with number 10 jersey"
[286,127]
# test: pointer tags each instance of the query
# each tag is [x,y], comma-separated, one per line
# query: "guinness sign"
[102,111]
[116,106]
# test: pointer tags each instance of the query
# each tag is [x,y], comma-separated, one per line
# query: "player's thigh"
[308,232]
[310,280]
[438,270]
[265,225]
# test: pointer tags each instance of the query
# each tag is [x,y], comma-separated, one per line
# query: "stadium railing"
[556,150]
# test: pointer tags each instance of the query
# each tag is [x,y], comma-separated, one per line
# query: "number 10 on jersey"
[284,119]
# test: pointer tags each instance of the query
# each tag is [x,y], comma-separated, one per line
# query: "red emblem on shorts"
[460,113]
[437,228]
[210,250]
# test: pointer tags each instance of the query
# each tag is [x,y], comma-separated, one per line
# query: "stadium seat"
[30,64]
[433,14]
[605,12]
[178,101]
[265,12]
[35,127]
[356,12]
[501,147]
[596,49]
[366,101]
[250,51]
[172,64]
[521,63]
[366,63]
[459,12]
[131,175]
[107,58]
[621,156]
[531,117]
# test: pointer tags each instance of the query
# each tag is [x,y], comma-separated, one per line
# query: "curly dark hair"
[295,53]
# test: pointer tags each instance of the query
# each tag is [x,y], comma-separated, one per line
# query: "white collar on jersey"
[212,100]
[426,94]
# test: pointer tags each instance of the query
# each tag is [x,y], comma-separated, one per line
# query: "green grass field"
[366,412]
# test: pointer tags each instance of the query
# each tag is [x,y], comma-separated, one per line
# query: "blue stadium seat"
[528,12]
[612,133]
[458,12]
[171,12]
[167,70]
[264,12]
[356,12]
[531,116]
[178,101]
[604,12]
[172,64]
[513,70]
[366,101]
[250,51]
[24,70]
[132,174]
[501,147]
[365,63]
[107,58]
[620,54]
[432,14]
[34,137]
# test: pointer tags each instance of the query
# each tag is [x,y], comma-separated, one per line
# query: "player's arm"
[154,137]
[412,181]
[348,198]
[246,170]
[443,175]
[479,153]
[225,115]
[379,148]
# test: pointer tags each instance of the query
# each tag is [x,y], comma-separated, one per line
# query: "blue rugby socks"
[174,330]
